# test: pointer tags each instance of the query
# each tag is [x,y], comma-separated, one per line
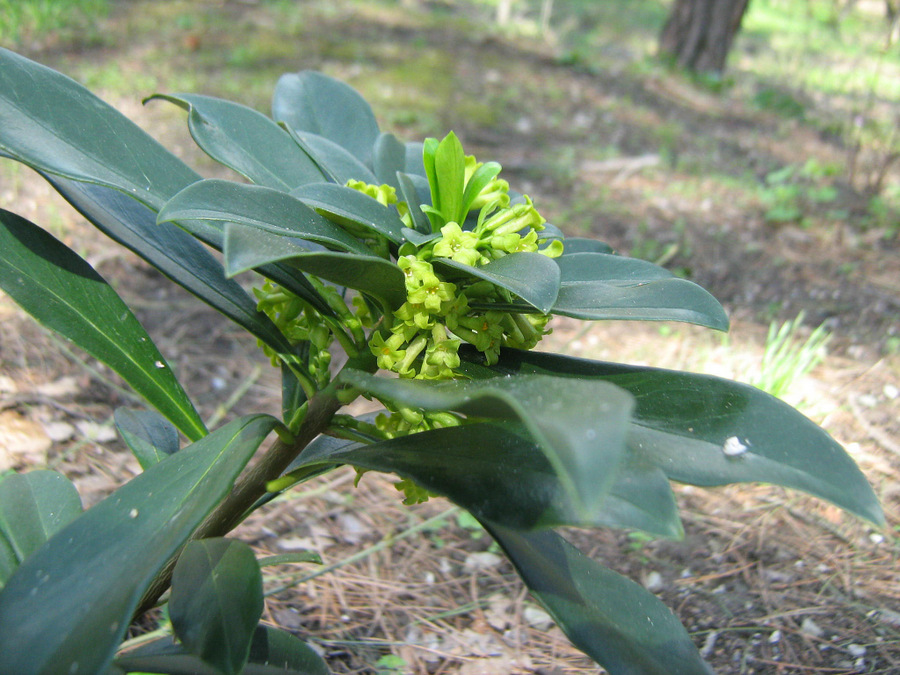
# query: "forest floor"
[756,203]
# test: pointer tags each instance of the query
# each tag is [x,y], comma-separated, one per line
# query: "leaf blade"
[533,277]
[467,462]
[311,101]
[615,621]
[264,208]
[68,606]
[245,140]
[683,421]
[33,507]
[65,294]
[345,203]
[52,123]
[216,601]
[150,437]
[248,248]
[272,652]
[579,426]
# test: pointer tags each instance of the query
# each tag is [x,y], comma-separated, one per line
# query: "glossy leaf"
[668,299]
[585,245]
[310,101]
[264,208]
[245,140]
[63,292]
[531,276]
[55,125]
[659,300]
[172,251]
[33,507]
[216,601]
[615,621]
[579,426]
[67,607]
[248,248]
[468,462]
[579,267]
[150,436]
[335,162]
[694,428]
[272,652]
[389,158]
[345,205]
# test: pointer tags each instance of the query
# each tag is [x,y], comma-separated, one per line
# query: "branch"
[251,486]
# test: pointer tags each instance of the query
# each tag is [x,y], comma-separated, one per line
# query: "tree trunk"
[698,33]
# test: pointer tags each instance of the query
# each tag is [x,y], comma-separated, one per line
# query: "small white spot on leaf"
[733,447]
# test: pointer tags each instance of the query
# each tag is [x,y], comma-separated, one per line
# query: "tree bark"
[698,33]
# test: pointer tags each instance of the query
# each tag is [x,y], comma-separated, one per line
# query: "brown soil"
[767,581]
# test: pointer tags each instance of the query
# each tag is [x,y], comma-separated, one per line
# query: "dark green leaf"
[335,162]
[415,160]
[584,245]
[499,474]
[615,621]
[345,205]
[293,395]
[694,426]
[418,238]
[310,101]
[172,251]
[531,276]
[33,507]
[579,426]
[658,300]
[67,607]
[264,208]
[149,435]
[245,140]
[578,267]
[390,157]
[248,248]
[65,294]
[410,193]
[216,601]
[55,125]
[272,652]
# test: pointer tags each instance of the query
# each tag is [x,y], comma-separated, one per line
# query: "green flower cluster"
[422,337]
[300,323]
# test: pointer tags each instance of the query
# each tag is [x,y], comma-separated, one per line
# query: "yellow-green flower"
[387,352]
[457,244]
[431,295]
[415,317]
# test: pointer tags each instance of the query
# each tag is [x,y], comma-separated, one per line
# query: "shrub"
[435,280]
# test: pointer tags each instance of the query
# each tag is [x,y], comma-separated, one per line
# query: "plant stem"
[251,486]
